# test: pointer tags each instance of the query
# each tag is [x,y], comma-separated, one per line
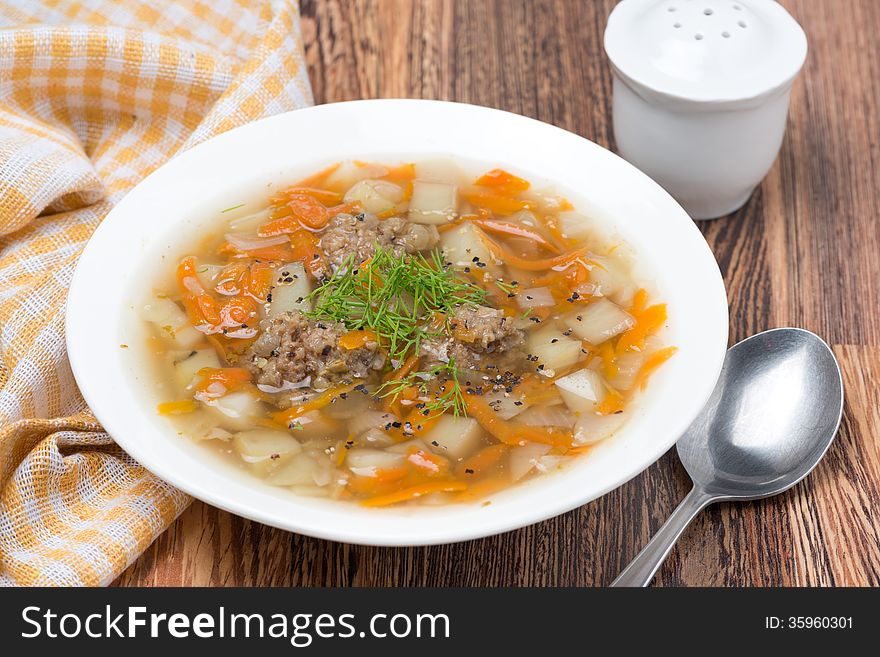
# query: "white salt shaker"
[701,91]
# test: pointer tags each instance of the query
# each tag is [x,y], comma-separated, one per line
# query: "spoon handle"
[642,569]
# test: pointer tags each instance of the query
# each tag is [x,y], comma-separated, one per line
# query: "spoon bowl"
[772,416]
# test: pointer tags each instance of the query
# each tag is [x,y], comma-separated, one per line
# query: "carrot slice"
[415,491]
[356,339]
[401,174]
[503,181]
[217,381]
[498,204]
[176,407]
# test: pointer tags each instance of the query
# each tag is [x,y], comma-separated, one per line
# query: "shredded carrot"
[486,458]
[320,178]
[606,353]
[176,407]
[653,361]
[415,491]
[405,368]
[647,322]
[325,196]
[503,181]
[513,260]
[512,433]
[316,403]
[551,223]
[515,230]
[274,253]
[356,339]
[613,403]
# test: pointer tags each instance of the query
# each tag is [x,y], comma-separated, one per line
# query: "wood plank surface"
[804,251]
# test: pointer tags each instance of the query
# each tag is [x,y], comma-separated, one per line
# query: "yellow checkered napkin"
[94,95]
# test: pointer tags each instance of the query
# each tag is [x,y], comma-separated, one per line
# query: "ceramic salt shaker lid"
[705,50]
[701,93]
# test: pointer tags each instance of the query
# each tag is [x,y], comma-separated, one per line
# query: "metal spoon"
[771,418]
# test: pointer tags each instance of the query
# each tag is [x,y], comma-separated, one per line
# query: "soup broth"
[404,335]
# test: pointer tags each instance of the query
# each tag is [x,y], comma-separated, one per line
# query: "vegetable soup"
[404,334]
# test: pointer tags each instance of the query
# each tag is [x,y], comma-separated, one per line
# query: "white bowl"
[150,228]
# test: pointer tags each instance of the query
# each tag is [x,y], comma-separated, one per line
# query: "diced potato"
[348,173]
[289,292]
[376,438]
[554,350]
[463,243]
[440,170]
[590,428]
[298,471]
[198,425]
[237,410]
[547,199]
[628,366]
[369,419]
[367,462]
[406,446]
[551,462]
[433,203]
[185,370]
[524,458]
[261,444]
[375,196]
[455,436]
[506,404]
[315,424]
[613,279]
[535,297]
[575,225]
[581,391]
[354,405]
[557,415]
[599,321]
[172,323]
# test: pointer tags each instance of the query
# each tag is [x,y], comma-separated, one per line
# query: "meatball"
[293,348]
[358,235]
[477,331]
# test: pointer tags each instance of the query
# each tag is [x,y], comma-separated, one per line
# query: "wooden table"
[805,251]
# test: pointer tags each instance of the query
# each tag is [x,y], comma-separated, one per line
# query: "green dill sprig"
[394,295]
[449,394]
[508,288]
[398,297]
